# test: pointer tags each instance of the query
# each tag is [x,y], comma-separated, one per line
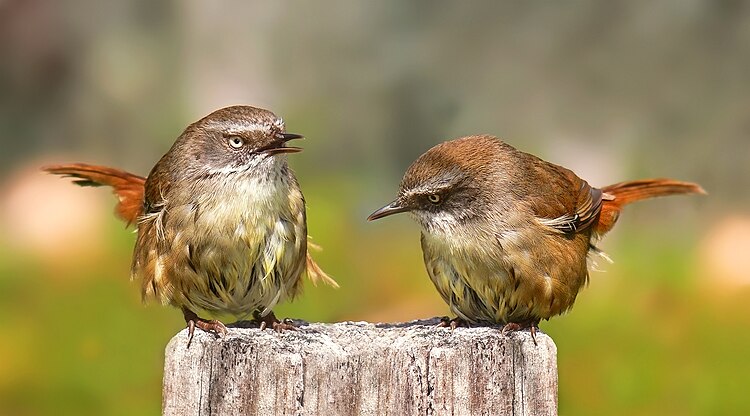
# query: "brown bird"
[505,235]
[221,219]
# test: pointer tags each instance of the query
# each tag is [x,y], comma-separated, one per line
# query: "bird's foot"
[192,320]
[518,326]
[270,321]
[446,322]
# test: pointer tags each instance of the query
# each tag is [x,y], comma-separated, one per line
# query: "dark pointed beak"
[289,136]
[283,138]
[393,208]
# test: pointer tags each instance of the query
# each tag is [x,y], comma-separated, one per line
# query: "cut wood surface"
[358,368]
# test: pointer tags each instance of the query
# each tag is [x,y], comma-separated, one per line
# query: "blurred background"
[612,90]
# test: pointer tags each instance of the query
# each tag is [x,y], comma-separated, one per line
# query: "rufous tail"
[128,187]
[620,194]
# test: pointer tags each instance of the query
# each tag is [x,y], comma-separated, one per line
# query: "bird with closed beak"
[506,235]
[220,219]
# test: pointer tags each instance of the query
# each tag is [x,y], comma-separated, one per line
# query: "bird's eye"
[433,198]
[236,141]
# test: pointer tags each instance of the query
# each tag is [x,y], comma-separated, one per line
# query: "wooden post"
[357,368]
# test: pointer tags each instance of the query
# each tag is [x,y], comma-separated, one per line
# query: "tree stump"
[357,368]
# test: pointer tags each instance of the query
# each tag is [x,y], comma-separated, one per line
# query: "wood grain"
[357,368]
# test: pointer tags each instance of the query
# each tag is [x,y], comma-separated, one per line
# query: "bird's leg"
[192,320]
[532,325]
[454,323]
[271,321]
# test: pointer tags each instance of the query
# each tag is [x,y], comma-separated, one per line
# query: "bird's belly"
[246,271]
[474,295]
[491,290]
[234,257]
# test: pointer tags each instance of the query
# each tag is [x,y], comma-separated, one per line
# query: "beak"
[393,208]
[283,138]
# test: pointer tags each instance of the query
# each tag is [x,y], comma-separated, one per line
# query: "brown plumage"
[221,220]
[506,235]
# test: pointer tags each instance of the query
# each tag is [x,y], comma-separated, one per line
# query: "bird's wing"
[584,216]
[157,186]
[566,203]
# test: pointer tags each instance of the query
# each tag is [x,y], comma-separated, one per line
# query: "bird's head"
[234,140]
[449,185]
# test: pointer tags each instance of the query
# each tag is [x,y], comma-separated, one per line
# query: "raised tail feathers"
[128,187]
[627,192]
[620,194]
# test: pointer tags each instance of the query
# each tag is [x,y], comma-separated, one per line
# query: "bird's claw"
[515,326]
[446,322]
[192,320]
[270,321]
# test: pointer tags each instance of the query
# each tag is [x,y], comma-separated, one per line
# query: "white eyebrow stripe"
[429,188]
[238,128]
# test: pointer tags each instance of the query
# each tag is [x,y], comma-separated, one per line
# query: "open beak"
[282,148]
[393,208]
[289,136]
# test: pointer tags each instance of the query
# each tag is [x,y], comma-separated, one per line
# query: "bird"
[220,219]
[506,235]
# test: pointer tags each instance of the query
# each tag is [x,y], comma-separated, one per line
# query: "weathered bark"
[356,368]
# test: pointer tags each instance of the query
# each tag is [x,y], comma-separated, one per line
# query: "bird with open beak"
[221,219]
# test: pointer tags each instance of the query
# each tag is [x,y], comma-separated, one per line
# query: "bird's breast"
[231,246]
